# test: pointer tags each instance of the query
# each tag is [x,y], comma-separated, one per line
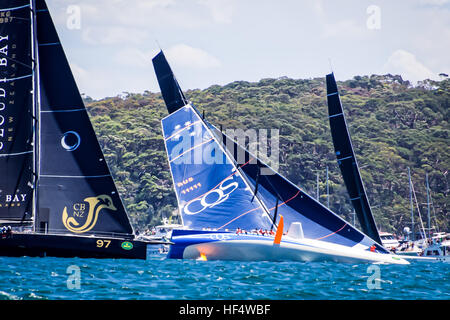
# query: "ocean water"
[162,279]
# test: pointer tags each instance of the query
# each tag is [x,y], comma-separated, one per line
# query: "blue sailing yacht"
[222,202]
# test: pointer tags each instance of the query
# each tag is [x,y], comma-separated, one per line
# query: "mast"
[428,206]
[418,210]
[413,236]
[328,191]
[35,111]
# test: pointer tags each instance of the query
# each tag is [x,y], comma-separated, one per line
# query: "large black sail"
[16,133]
[347,161]
[76,191]
[170,90]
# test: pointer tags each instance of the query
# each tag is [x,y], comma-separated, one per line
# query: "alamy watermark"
[374,280]
[374,19]
[198,147]
[74,279]
[73,21]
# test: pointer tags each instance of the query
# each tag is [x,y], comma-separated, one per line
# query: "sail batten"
[347,161]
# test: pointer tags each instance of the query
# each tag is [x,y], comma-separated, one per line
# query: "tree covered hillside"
[393,126]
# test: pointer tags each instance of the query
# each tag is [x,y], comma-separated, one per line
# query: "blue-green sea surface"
[159,278]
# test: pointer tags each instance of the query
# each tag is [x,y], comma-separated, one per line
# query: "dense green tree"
[393,125]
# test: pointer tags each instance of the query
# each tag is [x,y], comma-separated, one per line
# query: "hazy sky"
[110,43]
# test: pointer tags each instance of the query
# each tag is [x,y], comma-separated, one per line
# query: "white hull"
[428,259]
[289,250]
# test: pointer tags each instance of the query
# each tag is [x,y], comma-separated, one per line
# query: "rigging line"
[256,182]
[19,18]
[291,198]
[275,216]
[294,196]
[241,215]
[332,232]
[361,194]
[17,78]
[418,210]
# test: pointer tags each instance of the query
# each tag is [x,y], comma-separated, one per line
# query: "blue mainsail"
[210,189]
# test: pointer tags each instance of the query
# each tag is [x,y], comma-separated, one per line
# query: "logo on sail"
[87,213]
[70,141]
[211,198]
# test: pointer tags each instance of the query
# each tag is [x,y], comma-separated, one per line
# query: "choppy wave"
[158,278]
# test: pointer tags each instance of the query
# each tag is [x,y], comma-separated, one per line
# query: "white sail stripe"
[335,115]
[71,110]
[15,8]
[17,78]
[57,176]
[345,158]
[14,154]
[49,44]
[182,129]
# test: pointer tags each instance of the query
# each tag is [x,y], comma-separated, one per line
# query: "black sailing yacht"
[347,161]
[56,189]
